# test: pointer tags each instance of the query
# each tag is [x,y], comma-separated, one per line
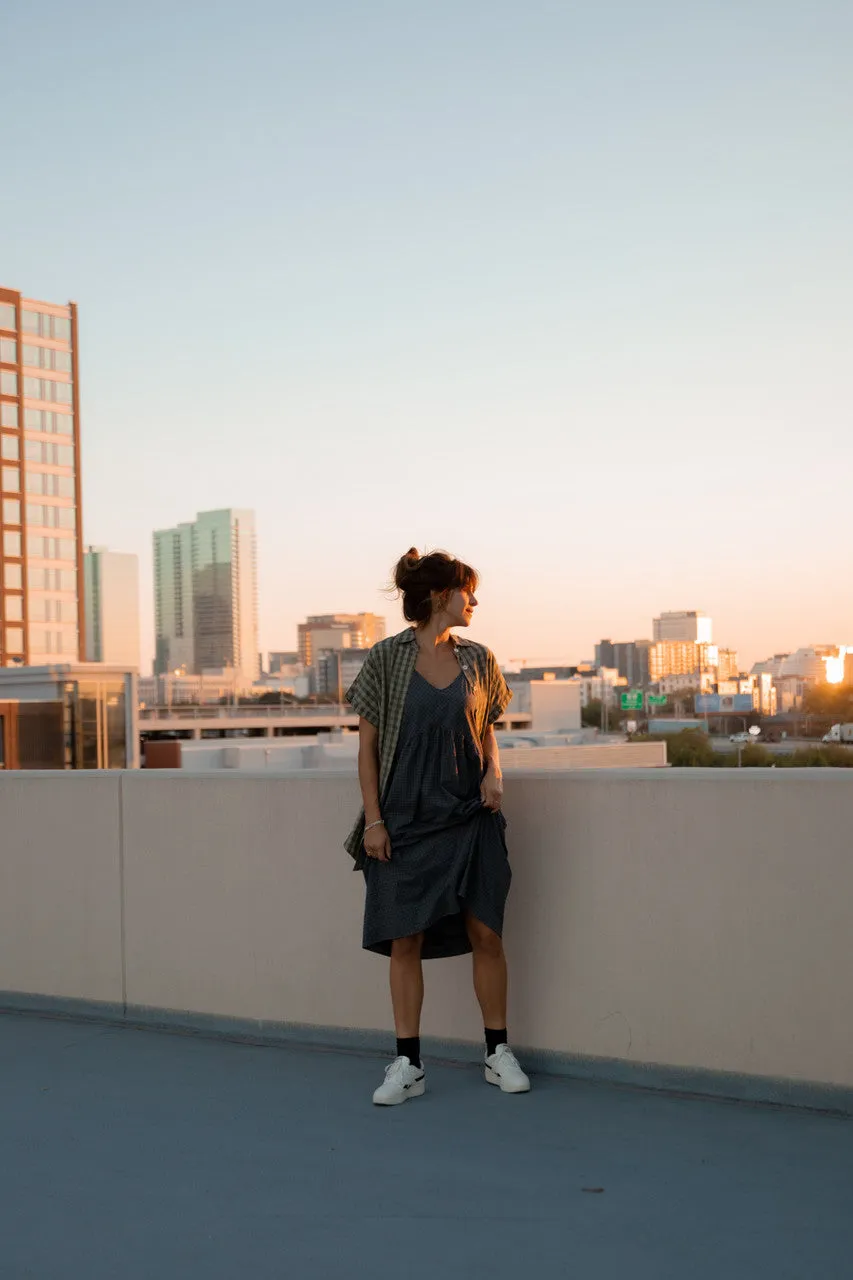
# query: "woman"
[430,838]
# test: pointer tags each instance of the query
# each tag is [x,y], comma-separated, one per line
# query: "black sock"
[493,1039]
[410,1047]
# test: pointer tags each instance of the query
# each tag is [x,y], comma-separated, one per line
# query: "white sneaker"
[503,1070]
[402,1081]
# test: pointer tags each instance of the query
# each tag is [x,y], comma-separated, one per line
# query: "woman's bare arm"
[368,768]
[491,753]
[376,841]
[492,787]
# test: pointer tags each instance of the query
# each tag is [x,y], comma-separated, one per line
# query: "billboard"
[720,703]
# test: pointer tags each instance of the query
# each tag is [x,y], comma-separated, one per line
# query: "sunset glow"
[835,666]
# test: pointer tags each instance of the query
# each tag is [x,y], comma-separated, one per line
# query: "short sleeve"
[365,693]
[500,694]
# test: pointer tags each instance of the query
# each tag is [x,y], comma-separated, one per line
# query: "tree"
[591,714]
[690,749]
[831,701]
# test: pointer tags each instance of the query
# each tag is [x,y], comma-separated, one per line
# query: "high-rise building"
[206,595]
[680,657]
[112,607]
[335,670]
[727,664]
[41,540]
[605,654]
[692,627]
[630,658]
[277,659]
[338,631]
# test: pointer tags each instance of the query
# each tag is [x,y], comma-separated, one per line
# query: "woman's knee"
[483,939]
[407,948]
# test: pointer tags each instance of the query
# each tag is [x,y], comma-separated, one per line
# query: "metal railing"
[266,712]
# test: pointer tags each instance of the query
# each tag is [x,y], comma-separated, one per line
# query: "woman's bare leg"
[407,984]
[490,975]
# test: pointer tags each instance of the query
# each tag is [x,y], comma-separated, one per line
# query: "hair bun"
[418,578]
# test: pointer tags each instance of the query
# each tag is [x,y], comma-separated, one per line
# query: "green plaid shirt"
[378,693]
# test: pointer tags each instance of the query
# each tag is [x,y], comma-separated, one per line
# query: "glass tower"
[206,595]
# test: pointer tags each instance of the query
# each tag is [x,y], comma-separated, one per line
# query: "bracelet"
[380,822]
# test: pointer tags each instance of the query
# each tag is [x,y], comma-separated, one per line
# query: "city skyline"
[566,294]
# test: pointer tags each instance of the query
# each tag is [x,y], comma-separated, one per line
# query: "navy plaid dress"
[448,852]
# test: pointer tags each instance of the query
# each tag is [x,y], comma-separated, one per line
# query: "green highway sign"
[657,699]
[632,701]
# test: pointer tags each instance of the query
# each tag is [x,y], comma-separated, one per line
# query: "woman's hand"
[492,789]
[377,845]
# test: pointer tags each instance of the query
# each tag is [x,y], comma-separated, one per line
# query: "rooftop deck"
[142,1154]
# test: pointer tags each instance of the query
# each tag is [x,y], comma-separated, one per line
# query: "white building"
[206,595]
[554,706]
[692,626]
[600,685]
[111,580]
[682,681]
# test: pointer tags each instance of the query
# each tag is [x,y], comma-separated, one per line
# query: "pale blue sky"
[565,288]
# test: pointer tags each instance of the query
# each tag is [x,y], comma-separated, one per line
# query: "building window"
[41,579]
[10,479]
[10,448]
[13,608]
[48,517]
[45,358]
[45,482]
[15,639]
[11,511]
[8,382]
[8,414]
[46,389]
[7,316]
[49,422]
[42,325]
[11,544]
[51,548]
[13,577]
[8,351]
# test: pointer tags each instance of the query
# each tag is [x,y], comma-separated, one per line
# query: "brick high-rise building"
[338,631]
[42,616]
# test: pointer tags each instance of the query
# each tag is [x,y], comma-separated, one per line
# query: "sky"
[565,289]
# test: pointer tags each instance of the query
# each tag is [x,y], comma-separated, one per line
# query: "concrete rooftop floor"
[130,1153]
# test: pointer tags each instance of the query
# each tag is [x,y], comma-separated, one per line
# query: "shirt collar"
[408,637]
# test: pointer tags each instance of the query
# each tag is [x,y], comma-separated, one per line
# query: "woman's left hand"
[492,790]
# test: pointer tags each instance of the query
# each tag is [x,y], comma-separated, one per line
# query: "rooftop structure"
[670,935]
[137,1153]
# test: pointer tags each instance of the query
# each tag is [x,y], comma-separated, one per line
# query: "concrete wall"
[594,755]
[692,918]
[292,755]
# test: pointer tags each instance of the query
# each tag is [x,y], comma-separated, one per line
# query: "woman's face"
[460,606]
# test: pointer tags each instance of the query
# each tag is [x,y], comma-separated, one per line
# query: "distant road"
[785,748]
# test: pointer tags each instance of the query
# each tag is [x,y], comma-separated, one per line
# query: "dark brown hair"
[416,577]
